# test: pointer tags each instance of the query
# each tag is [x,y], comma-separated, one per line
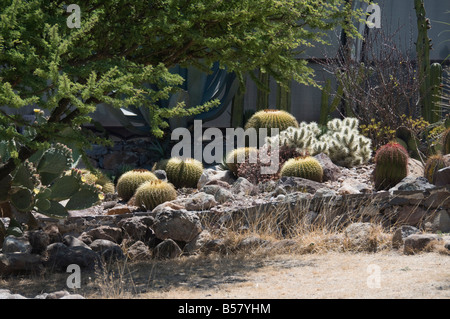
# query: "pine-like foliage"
[123,52]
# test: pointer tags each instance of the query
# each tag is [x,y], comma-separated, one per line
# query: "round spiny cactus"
[239,156]
[305,167]
[129,182]
[391,165]
[271,119]
[184,172]
[446,142]
[433,164]
[151,194]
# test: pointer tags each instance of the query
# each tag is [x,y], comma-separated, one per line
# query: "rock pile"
[115,230]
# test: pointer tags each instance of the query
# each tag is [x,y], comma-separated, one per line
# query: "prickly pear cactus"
[43,183]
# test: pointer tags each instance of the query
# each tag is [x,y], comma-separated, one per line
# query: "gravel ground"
[332,275]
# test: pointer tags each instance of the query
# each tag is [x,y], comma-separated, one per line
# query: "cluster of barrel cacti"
[45,180]
[130,181]
[147,191]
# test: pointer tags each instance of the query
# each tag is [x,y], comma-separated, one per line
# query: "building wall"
[398,17]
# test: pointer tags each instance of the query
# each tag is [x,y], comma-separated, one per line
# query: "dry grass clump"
[294,228]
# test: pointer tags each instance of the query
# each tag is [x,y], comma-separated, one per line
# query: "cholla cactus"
[302,138]
[346,147]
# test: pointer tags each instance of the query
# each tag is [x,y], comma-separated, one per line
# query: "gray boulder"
[243,187]
[39,240]
[331,171]
[442,177]
[413,183]
[60,256]
[6,294]
[418,242]
[136,228]
[361,237]
[200,201]
[107,249]
[401,233]
[18,263]
[210,175]
[13,244]
[177,225]
[139,251]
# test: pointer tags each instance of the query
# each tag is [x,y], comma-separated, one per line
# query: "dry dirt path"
[333,275]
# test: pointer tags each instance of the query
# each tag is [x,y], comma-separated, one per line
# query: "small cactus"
[391,165]
[271,119]
[446,142]
[238,156]
[151,194]
[184,172]
[99,179]
[433,164]
[160,165]
[129,182]
[304,167]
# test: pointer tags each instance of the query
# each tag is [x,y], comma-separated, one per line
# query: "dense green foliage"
[122,53]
